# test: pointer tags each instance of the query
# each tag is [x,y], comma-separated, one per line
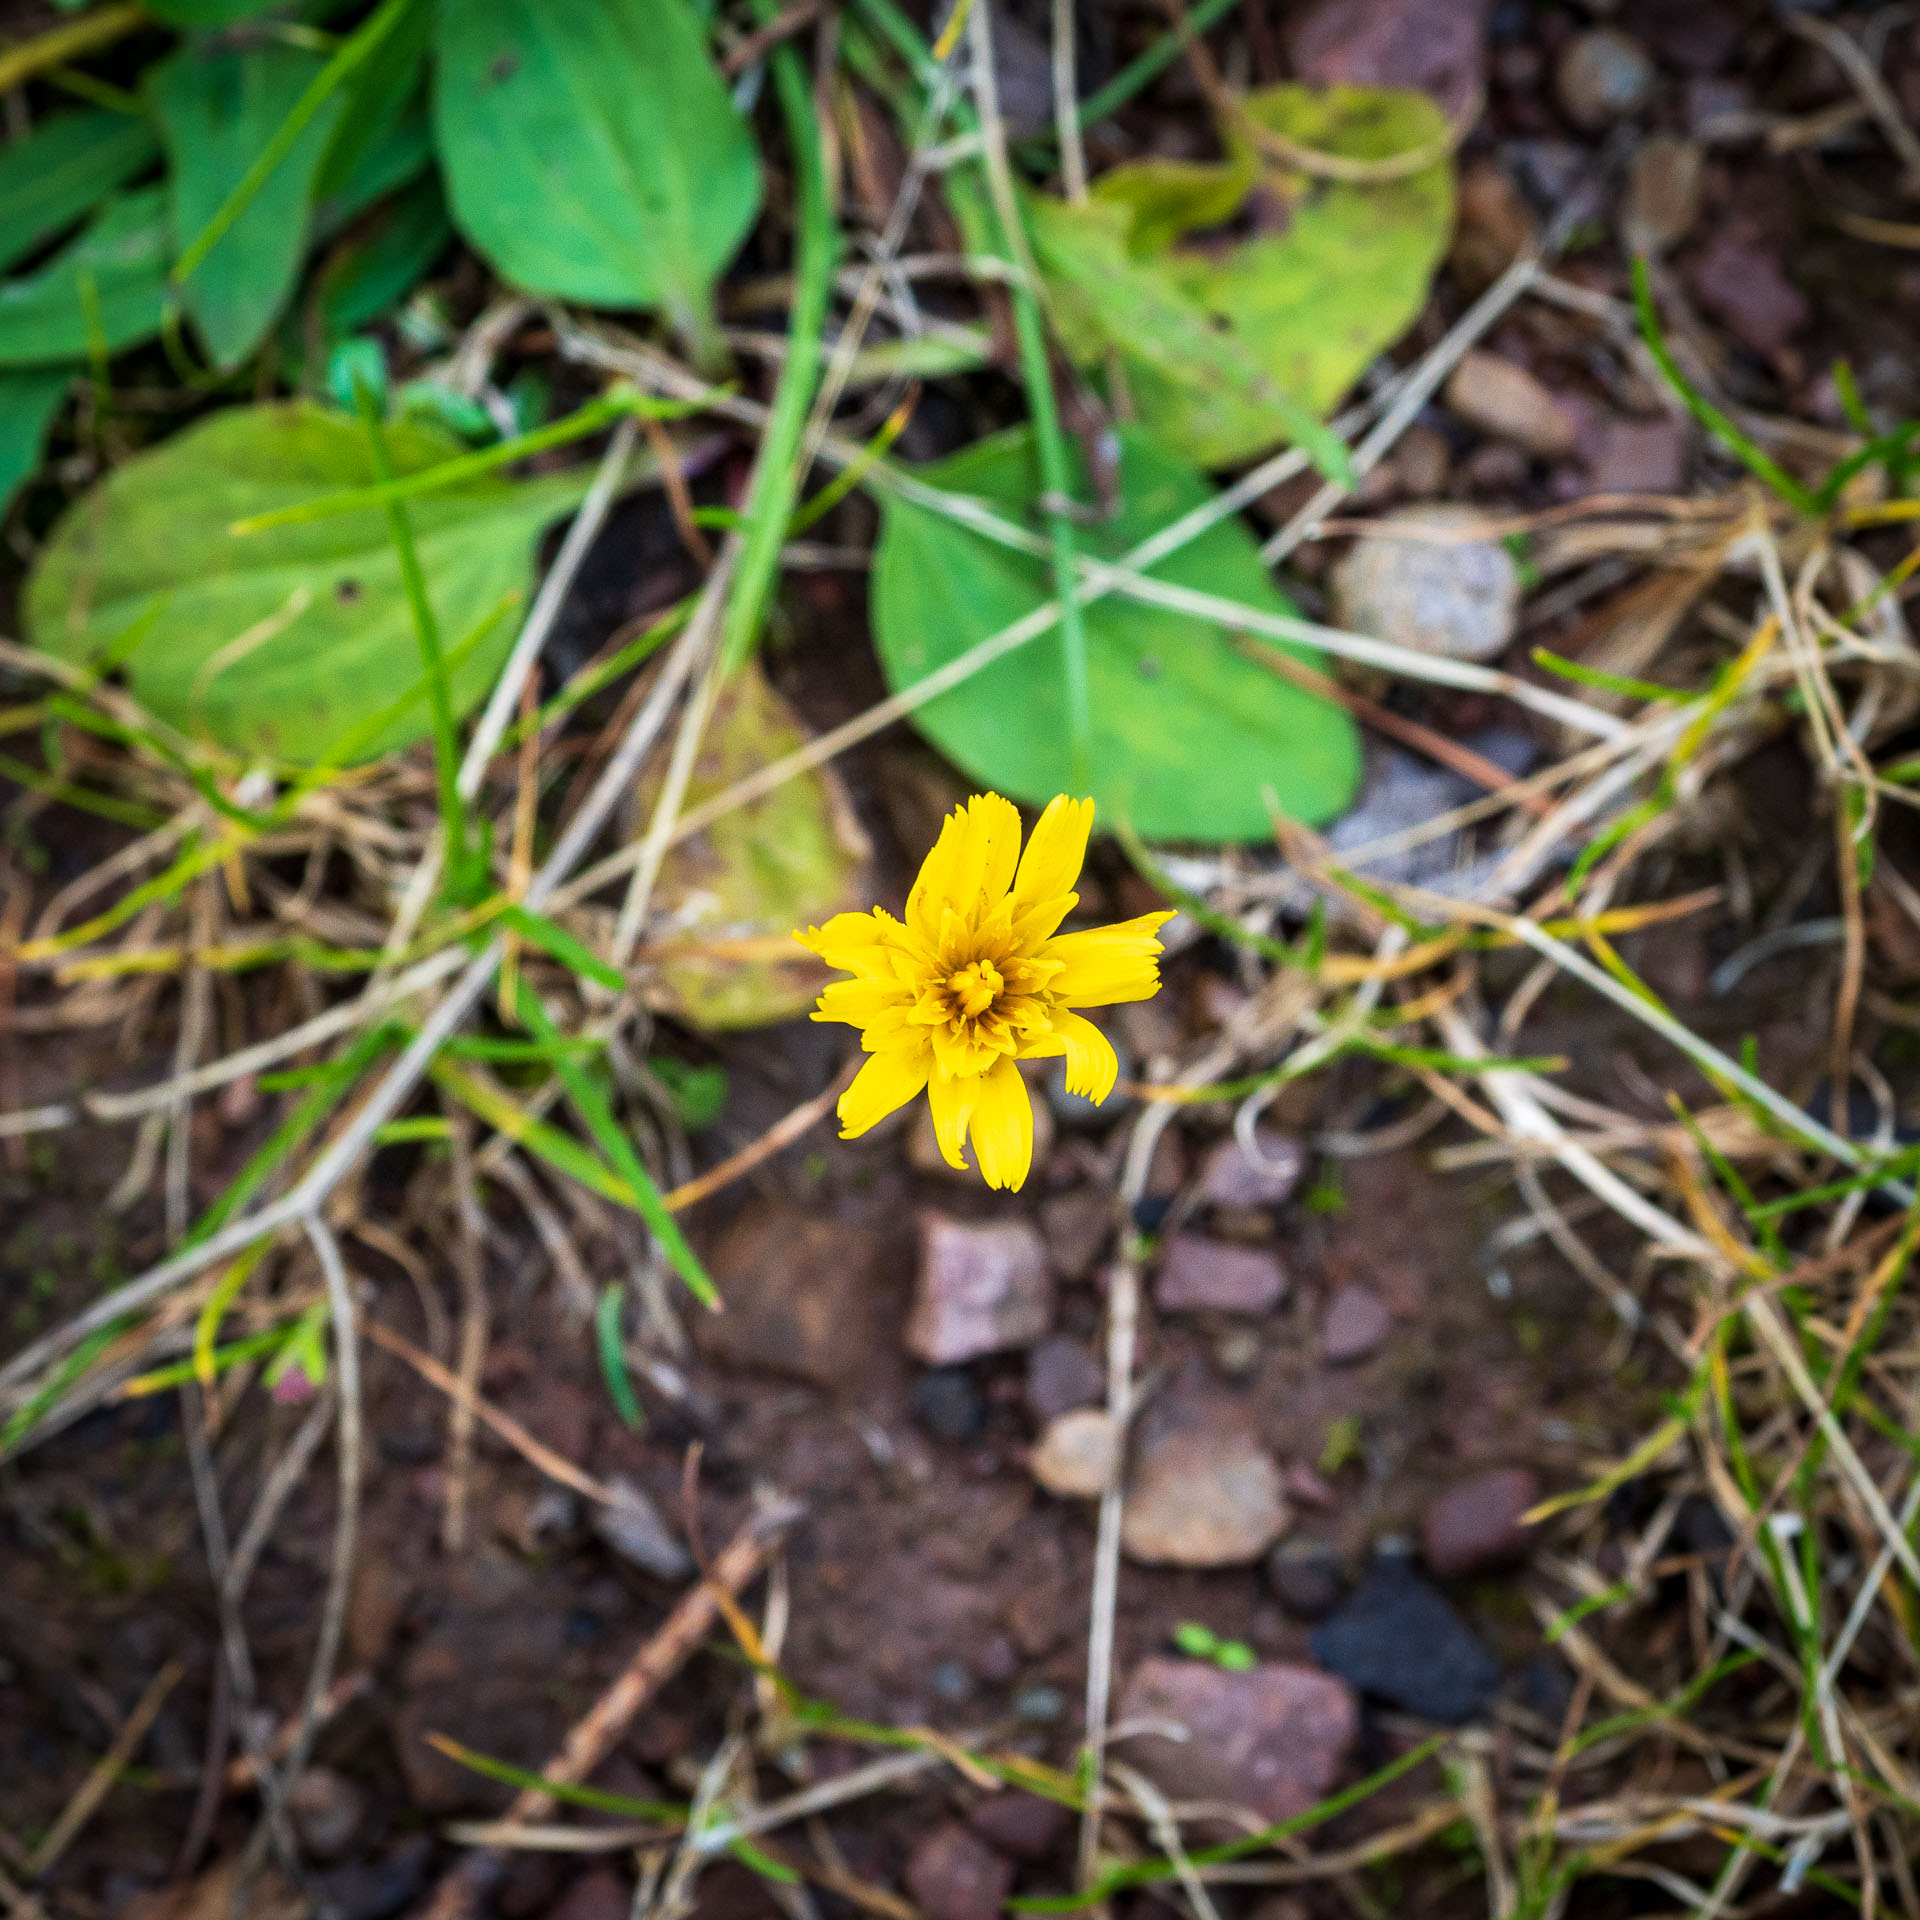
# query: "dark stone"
[1398,1640]
[948,1404]
[1305,1577]
[1062,1375]
[1478,1526]
[1357,1321]
[375,1890]
[1198,1274]
[1020,1825]
[955,1875]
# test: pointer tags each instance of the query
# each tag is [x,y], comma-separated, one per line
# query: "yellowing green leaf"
[1186,730]
[281,643]
[1207,335]
[731,896]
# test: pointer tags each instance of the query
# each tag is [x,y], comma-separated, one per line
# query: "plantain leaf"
[104,290]
[380,263]
[279,643]
[64,169]
[218,106]
[29,398]
[1186,730]
[1223,346]
[592,152]
[732,894]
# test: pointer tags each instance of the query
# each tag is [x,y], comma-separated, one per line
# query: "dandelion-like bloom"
[975,978]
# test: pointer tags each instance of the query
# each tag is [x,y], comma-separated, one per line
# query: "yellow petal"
[951,1096]
[1056,849]
[1108,964]
[1092,1065]
[862,943]
[859,1003]
[1003,1127]
[885,1084]
[971,865]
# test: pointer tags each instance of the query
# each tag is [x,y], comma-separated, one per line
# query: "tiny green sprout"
[1200,1642]
[1342,1442]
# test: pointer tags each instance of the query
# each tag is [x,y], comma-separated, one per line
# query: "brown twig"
[656,1662]
[783,1133]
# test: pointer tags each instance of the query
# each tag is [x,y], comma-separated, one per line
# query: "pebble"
[1601,77]
[1493,227]
[326,1809]
[1199,1275]
[375,1890]
[1202,1499]
[1639,456]
[634,1528]
[1078,1454]
[1231,1179]
[1305,1577]
[1271,1739]
[1662,199]
[1435,46]
[1356,1323]
[954,1875]
[1477,1525]
[947,1403]
[1454,596]
[1061,1375]
[983,1286]
[1039,1706]
[1422,462]
[1021,1825]
[1500,397]
[1398,1640]
[1236,1352]
[1742,285]
[797,1288]
[1075,1227]
[599,1894]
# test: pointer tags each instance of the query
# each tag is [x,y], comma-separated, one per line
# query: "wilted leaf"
[29,399]
[279,643]
[64,169]
[729,898]
[1201,330]
[1186,731]
[591,150]
[218,107]
[107,288]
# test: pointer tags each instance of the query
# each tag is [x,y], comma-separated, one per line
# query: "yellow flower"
[975,978]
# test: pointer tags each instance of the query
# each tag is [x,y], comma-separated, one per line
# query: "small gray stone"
[1477,1526]
[1231,1179]
[1357,1321]
[1200,1275]
[1272,1739]
[1639,456]
[1305,1577]
[1061,1375]
[1601,77]
[1202,1498]
[1662,198]
[947,1403]
[326,1809]
[1451,595]
[1075,1227]
[1078,1454]
[634,1529]
[983,1287]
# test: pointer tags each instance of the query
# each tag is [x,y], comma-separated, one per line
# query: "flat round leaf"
[1187,730]
[591,149]
[108,287]
[284,642]
[218,107]
[729,899]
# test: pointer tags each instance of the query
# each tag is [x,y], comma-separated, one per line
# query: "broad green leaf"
[218,106]
[106,289]
[592,152]
[64,169]
[730,897]
[1186,730]
[29,399]
[1201,331]
[279,643]
[394,156]
[381,263]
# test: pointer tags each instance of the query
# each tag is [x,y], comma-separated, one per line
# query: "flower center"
[974,989]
